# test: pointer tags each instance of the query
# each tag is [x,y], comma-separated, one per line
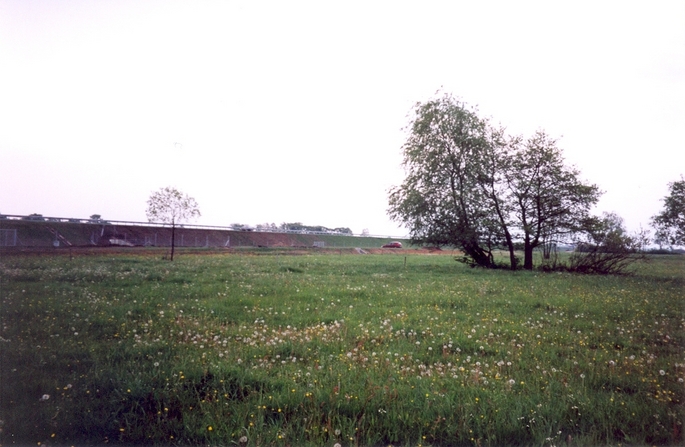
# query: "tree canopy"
[470,185]
[440,201]
[169,205]
[670,222]
[548,199]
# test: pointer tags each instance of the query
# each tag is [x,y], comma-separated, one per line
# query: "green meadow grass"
[272,349]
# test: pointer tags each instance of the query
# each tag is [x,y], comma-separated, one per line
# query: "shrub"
[606,247]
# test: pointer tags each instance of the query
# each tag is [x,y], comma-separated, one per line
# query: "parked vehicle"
[393,244]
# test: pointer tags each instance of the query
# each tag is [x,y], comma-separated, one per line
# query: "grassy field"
[323,349]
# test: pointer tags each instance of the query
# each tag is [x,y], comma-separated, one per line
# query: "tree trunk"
[479,256]
[512,255]
[507,235]
[527,254]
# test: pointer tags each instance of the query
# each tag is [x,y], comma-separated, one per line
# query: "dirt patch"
[410,251]
[163,252]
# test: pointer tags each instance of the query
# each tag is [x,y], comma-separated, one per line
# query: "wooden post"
[173,236]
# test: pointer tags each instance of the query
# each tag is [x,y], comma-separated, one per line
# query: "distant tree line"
[292,227]
[299,226]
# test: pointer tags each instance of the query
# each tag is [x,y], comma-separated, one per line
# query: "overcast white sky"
[284,111]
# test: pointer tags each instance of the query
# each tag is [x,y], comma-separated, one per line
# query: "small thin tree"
[169,205]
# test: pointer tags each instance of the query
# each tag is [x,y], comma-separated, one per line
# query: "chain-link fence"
[8,238]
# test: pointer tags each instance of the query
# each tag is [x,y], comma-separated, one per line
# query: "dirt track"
[180,251]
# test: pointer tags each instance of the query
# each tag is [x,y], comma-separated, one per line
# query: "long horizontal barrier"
[41,218]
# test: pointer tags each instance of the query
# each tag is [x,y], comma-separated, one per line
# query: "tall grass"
[329,349]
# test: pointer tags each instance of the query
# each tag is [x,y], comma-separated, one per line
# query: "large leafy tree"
[441,201]
[170,206]
[670,222]
[496,163]
[549,201]
[469,185]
